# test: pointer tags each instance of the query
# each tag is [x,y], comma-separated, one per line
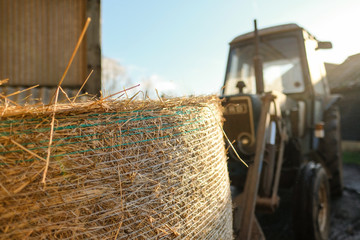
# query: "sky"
[181,47]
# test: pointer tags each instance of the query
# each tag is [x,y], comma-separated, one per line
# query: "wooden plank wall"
[37,38]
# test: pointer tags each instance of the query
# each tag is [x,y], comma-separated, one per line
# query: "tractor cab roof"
[266,31]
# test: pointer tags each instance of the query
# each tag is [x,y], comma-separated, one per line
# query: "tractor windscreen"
[281,66]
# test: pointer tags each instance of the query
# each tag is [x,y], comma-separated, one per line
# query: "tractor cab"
[289,61]
[281,58]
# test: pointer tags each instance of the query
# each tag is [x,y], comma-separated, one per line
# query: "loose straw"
[67,97]
[120,92]
[4,81]
[57,95]
[77,94]
[157,93]
[6,99]
[228,140]
[74,53]
[27,89]
[27,150]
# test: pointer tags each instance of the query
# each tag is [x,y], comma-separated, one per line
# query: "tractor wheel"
[311,210]
[330,149]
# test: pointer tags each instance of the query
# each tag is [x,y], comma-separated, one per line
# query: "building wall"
[37,39]
[350,114]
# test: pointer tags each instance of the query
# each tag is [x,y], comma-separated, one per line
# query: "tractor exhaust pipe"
[258,66]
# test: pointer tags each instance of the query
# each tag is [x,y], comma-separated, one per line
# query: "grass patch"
[351,157]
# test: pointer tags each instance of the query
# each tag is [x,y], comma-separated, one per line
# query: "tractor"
[283,122]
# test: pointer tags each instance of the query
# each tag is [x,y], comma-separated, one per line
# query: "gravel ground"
[345,212]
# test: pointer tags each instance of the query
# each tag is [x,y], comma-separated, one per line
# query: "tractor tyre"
[311,210]
[330,149]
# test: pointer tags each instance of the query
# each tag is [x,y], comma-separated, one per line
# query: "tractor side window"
[281,65]
[316,67]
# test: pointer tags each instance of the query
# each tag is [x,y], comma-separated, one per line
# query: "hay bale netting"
[138,170]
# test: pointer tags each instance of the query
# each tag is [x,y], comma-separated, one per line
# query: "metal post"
[253,177]
[258,64]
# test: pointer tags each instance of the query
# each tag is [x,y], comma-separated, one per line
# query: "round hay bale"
[117,170]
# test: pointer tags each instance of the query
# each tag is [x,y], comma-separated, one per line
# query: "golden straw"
[14,93]
[57,95]
[77,94]
[74,52]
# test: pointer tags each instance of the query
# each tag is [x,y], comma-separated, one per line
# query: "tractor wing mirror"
[324,45]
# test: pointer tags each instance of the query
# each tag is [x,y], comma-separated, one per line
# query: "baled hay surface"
[118,170]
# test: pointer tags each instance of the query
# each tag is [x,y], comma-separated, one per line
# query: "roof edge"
[266,31]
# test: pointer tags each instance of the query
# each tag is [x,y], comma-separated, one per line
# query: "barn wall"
[350,113]
[37,39]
